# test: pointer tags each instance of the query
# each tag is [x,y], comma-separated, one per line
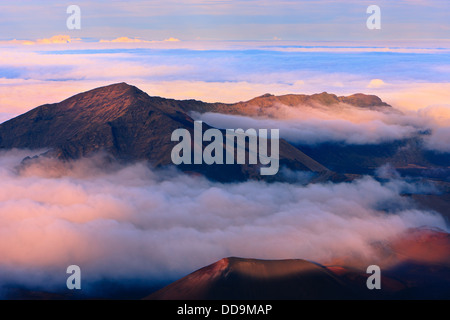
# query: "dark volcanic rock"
[415,265]
[258,105]
[251,279]
[130,125]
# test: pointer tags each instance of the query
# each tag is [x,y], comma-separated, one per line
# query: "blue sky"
[409,77]
[225,50]
[318,20]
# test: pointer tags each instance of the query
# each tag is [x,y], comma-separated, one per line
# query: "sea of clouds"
[133,222]
[313,125]
[137,223]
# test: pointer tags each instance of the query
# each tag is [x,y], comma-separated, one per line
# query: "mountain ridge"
[130,125]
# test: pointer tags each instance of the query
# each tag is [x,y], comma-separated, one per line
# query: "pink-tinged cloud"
[137,223]
[136,40]
[125,40]
[57,39]
[171,39]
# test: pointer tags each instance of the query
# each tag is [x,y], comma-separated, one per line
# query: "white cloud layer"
[136,223]
[343,124]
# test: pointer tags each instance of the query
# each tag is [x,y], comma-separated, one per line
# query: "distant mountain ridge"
[257,106]
[130,125]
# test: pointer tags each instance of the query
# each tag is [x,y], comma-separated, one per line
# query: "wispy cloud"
[136,40]
[136,223]
[58,39]
[231,72]
[230,20]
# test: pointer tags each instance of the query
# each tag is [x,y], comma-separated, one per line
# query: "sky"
[154,225]
[223,50]
[407,76]
[309,20]
[227,51]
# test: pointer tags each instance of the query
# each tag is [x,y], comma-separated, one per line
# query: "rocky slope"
[415,265]
[130,125]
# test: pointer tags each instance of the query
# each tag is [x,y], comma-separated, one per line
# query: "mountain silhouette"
[252,279]
[130,125]
[259,106]
[415,265]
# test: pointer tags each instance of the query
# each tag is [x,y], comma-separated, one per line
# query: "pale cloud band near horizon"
[305,20]
[49,72]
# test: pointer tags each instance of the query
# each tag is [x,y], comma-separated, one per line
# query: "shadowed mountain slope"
[130,125]
[258,106]
[133,126]
[242,279]
[415,265]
